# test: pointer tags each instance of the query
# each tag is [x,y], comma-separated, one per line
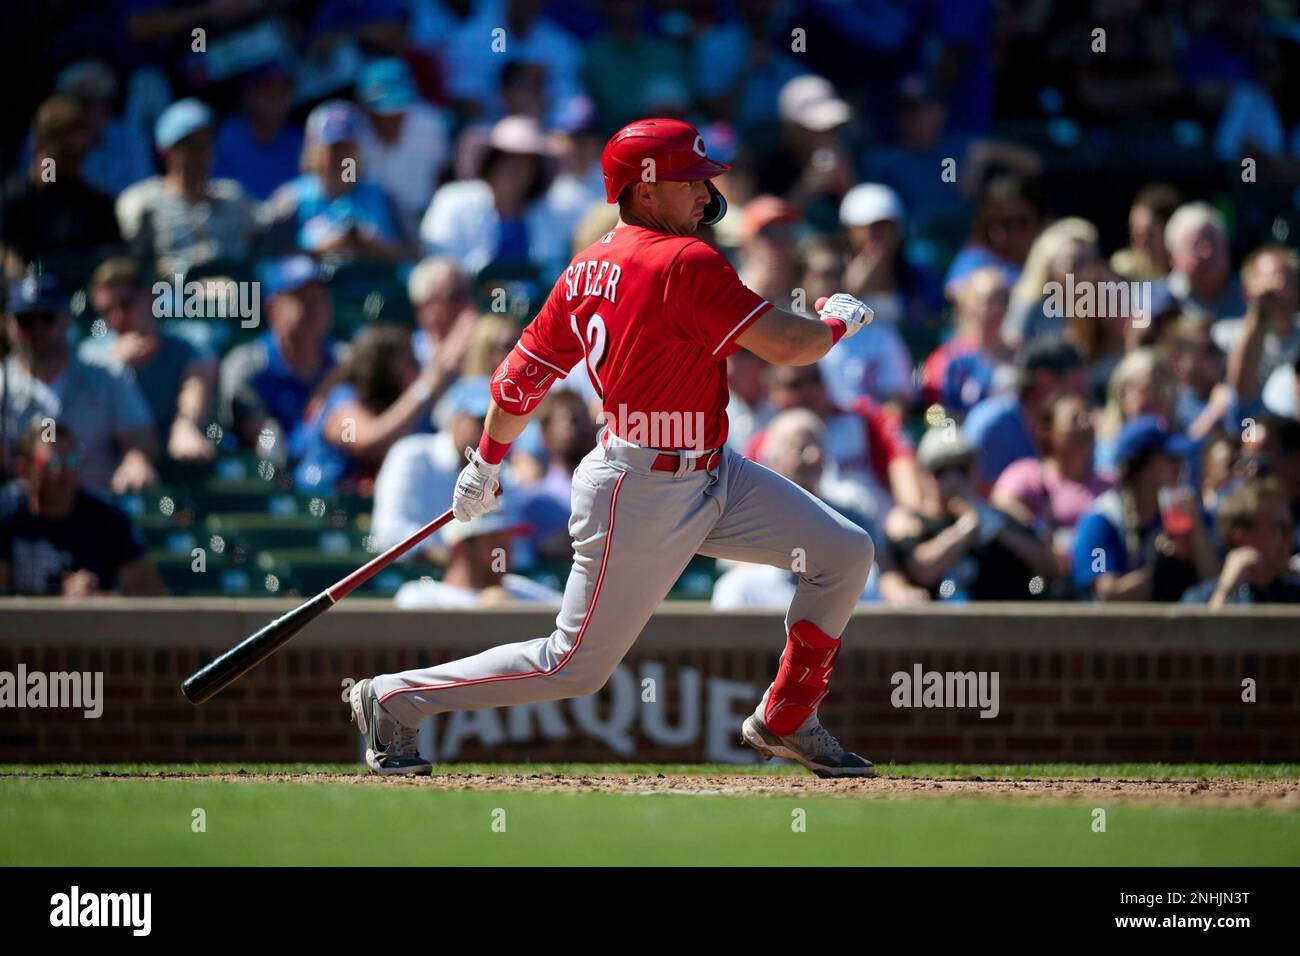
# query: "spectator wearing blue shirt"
[265,384]
[1008,218]
[102,403]
[259,148]
[738,70]
[1143,383]
[332,207]
[1256,524]
[378,395]
[1132,546]
[58,538]
[176,378]
[1001,426]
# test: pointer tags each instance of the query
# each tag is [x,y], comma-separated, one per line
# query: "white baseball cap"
[866,203]
[811,102]
[490,523]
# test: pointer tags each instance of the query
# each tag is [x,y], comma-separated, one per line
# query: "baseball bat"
[221,672]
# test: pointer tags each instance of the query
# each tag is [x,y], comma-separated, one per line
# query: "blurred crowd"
[1083,377]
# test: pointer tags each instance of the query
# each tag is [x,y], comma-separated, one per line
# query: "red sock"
[803,678]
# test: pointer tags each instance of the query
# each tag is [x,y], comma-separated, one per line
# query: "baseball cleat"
[390,746]
[816,749]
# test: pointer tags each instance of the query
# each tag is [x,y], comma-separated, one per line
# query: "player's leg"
[633,535]
[768,519]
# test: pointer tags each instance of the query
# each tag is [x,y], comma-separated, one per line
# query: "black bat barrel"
[223,671]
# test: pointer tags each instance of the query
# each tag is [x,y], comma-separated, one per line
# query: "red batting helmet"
[677,149]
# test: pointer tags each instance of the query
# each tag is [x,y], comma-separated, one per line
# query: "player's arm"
[518,386]
[783,338]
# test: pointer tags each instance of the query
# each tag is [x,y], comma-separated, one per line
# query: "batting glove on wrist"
[847,309]
[476,488]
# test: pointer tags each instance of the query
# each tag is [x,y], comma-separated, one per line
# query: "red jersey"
[653,318]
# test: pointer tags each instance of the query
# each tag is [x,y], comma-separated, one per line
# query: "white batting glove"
[476,488]
[850,311]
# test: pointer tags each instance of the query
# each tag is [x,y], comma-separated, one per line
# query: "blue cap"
[334,121]
[469,396]
[291,274]
[1146,434]
[181,119]
[35,293]
[386,87]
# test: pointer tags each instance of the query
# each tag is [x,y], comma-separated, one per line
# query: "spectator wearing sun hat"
[185,217]
[404,145]
[500,218]
[334,207]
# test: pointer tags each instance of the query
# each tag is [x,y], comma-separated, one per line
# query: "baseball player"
[652,314]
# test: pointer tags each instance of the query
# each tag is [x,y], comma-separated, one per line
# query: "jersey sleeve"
[710,301]
[549,339]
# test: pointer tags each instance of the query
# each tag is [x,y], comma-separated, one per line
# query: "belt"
[671,460]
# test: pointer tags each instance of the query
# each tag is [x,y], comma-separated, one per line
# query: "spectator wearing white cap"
[811,166]
[476,574]
[500,218]
[877,272]
[404,145]
[185,217]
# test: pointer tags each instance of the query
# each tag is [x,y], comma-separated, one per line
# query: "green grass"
[52,819]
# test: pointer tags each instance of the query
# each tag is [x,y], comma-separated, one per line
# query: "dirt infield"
[1204,792]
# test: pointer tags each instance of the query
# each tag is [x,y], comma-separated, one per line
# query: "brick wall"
[1074,683]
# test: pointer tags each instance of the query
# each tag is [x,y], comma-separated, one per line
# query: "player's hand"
[853,313]
[476,488]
